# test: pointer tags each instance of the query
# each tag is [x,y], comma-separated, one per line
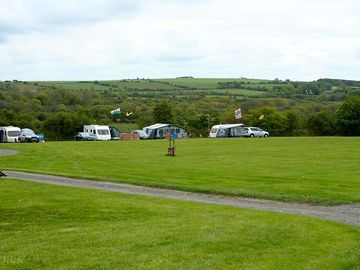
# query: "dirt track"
[349,214]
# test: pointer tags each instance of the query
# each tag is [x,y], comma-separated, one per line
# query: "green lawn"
[323,170]
[51,227]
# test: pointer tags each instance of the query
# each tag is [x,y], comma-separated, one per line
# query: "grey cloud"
[40,15]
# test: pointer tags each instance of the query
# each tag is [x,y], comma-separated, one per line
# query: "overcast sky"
[119,39]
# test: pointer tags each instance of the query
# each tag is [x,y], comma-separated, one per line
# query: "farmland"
[303,169]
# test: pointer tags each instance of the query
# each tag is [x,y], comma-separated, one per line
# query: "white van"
[226,131]
[9,134]
[100,133]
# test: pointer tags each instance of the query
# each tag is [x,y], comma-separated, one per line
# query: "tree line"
[60,113]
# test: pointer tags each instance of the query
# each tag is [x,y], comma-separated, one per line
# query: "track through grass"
[305,169]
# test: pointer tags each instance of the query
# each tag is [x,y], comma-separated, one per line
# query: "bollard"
[171,151]
[171,148]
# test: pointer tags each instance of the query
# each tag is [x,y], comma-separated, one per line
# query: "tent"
[159,131]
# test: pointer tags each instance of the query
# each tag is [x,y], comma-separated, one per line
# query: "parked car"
[28,135]
[142,134]
[255,132]
[83,136]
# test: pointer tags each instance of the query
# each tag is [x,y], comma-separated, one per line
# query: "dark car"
[83,136]
[28,135]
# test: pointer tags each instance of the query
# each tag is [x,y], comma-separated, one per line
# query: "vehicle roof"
[227,125]
[27,129]
[96,126]
[11,128]
[160,125]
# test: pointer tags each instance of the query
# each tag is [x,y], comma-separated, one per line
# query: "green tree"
[163,113]
[44,98]
[293,122]
[322,124]
[348,116]
[64,125]
[269,119]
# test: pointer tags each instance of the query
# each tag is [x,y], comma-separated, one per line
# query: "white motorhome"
[9,134]
[227,130]
[98,132]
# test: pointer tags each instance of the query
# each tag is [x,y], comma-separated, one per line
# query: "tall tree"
[348,116]
[163,113]
[269,119]
[322,123]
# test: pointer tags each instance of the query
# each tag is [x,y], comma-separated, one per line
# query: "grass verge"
[49,227]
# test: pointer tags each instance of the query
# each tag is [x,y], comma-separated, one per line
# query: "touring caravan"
[98,132]
[9,134]
[159,131]
[226,131]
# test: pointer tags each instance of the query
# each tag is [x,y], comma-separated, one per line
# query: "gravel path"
[6,152]
[349,214]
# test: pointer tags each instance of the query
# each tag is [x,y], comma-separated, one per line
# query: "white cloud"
[78,40]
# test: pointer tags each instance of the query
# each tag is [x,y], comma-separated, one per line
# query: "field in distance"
[51,227]
[320,170]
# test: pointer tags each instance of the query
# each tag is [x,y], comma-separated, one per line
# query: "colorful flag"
[238,114]
[116,112]
[261,117]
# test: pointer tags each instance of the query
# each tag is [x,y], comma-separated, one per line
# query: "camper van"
[226,131]
[100,133]
[9,134]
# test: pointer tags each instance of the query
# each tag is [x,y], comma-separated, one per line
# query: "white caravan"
[227,130]
[100,133]
[9,134]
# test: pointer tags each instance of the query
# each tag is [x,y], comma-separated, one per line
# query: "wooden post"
[171,148]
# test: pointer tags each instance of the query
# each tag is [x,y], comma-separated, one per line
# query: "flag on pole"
[238,114]
[261,117]
[116,112]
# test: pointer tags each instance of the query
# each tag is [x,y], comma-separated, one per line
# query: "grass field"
[320,170]
[49,227]
[206,83]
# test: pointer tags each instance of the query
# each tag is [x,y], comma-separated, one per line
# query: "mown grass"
[50,227]
[321,170]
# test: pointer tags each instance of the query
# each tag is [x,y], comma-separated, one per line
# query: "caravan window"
[161,132]
[178,130]
[13,133]
[214,130]
[103,132]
